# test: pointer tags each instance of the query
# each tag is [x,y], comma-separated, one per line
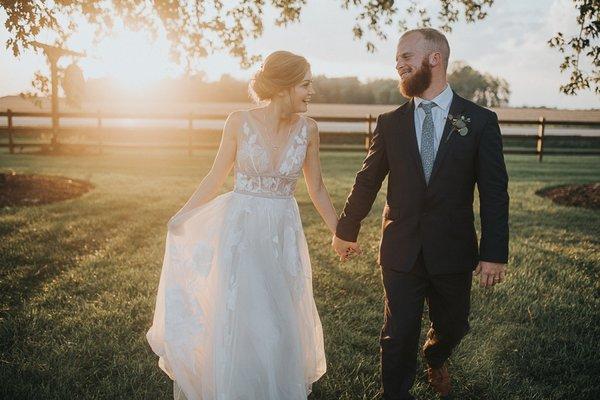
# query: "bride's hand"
[344,249]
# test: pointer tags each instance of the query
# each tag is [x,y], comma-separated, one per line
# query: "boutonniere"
[459,125]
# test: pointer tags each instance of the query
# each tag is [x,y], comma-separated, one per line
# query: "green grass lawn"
[78,281]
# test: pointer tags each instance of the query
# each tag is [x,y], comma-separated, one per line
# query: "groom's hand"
[343,248]
[490,273]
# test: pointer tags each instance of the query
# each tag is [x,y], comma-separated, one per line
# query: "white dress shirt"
[439,114]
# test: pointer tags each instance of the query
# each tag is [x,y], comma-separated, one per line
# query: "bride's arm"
[314,179]
[212,182]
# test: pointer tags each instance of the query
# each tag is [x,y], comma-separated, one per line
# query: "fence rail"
[361,140]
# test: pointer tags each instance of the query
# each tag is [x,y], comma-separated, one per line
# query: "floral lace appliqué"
[252,174]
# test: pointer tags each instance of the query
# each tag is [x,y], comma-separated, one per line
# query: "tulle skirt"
[235,316]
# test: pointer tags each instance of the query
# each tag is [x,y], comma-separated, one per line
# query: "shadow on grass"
[571,221]
[32,255]
[80,339]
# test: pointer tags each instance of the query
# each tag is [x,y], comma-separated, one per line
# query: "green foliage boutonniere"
[459,125]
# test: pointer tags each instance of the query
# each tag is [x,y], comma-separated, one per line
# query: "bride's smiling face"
[300,95]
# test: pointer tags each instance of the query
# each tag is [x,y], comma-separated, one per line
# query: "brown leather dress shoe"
[439,379]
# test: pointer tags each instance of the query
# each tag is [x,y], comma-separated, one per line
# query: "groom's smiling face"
[412,64]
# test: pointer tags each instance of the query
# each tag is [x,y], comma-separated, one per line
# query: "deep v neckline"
[276,161]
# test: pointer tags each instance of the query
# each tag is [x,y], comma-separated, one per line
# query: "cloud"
[513,45]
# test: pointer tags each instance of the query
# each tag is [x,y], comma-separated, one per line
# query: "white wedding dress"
[235,317]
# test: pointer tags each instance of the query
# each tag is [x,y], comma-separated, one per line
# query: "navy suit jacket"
[436,218]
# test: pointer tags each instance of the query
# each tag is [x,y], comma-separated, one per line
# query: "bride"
[235,317]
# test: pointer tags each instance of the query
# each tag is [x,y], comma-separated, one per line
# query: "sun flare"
[131,58]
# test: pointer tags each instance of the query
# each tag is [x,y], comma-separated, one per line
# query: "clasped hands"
[344,249]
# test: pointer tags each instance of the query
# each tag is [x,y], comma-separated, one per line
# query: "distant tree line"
[482,88]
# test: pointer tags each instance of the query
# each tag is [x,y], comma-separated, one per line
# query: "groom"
[433,149]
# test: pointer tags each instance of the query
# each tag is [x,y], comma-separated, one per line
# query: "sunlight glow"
[132,58]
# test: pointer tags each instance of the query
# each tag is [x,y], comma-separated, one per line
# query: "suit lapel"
[456,108]
[408,136]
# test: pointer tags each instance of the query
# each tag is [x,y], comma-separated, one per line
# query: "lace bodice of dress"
[259,170]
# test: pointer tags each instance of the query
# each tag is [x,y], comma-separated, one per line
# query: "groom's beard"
[418,83]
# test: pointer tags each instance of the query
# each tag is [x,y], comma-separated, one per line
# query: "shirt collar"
[442,100]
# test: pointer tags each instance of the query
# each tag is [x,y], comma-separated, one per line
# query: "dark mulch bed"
[28,190]
[587,195]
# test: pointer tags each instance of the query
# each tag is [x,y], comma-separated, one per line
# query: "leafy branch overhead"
[581,49]
[196,29]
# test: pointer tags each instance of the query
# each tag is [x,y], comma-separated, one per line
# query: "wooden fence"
[342,141]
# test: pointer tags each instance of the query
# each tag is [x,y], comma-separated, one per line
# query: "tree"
[385,91]
[481,88]
[586,43]
[347,90]
[196,28]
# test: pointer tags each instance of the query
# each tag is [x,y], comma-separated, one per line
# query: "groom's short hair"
[436,41]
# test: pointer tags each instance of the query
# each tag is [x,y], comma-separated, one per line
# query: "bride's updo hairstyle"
[281,70]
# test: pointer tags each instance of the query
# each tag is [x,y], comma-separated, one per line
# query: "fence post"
[540,139]
[369,137]
[190,127]
[11,144]
[100,131]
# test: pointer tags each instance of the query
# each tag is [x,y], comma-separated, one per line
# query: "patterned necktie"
[427,131]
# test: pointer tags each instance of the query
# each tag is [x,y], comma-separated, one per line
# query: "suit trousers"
[448,300]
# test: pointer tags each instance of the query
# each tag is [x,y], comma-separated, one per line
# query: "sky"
[510,43]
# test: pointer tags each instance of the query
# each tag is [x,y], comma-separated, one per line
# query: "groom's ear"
[435,59]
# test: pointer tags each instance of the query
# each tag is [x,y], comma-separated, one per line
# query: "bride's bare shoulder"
[311,124]
[234,122]
[254,112]
[236,116]
[312,130]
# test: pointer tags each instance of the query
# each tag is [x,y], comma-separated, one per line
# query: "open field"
[78,281]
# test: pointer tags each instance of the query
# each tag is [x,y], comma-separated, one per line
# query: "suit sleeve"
[492,183]
[366,186]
